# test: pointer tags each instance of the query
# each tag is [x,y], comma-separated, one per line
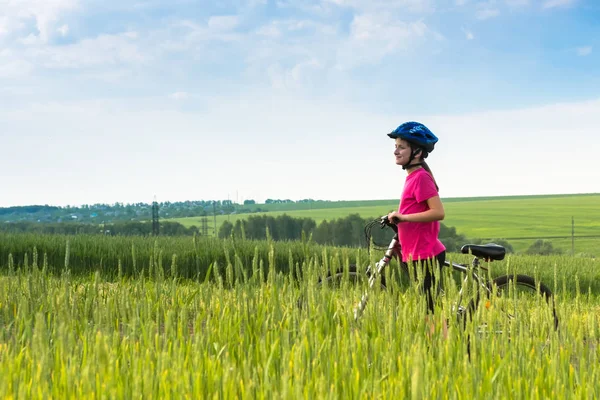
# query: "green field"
[516,218]
[92,316]
[137,318]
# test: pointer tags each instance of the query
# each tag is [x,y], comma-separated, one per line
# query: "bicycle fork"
[381,264]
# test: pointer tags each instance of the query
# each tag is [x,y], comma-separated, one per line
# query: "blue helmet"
[417,134]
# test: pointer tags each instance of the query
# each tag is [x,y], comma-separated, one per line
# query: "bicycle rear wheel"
[523,303]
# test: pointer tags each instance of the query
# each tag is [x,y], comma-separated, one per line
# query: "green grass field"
[137,318]
[503,217]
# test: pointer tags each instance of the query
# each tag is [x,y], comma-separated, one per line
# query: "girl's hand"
[395,217]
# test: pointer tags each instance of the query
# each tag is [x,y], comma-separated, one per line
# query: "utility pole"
[155,223]
[215,217]
[204,226]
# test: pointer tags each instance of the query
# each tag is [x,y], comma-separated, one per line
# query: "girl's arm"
[435,213]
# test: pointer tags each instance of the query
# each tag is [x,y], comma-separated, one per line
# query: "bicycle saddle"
[490,251]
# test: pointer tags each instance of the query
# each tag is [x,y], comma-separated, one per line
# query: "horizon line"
[316,200]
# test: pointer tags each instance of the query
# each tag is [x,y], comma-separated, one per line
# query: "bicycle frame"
[392,252]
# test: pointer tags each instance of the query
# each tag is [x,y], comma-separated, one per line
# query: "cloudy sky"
[105,101]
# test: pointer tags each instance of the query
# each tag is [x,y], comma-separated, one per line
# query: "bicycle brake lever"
[384,221]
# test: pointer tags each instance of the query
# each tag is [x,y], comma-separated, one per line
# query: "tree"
[451,240]
[226,229]
[247,202]
[542,247]
[323,234]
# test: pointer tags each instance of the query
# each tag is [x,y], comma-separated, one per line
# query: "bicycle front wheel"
[524,303]
[342,279]
[353,277]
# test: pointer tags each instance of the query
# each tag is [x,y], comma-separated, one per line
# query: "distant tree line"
[347,231]
[285,201]
[26,209]
[109,213]
[282,227]
[543,247]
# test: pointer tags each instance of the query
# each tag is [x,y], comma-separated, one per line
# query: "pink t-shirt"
[419,240]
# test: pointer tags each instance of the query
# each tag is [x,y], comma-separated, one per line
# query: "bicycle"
[493,290]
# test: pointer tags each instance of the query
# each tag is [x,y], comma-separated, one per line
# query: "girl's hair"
[426,167]
[424,154]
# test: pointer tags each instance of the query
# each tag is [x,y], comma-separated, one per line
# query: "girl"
[420,207]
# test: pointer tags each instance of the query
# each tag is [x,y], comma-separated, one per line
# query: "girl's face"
[402,151]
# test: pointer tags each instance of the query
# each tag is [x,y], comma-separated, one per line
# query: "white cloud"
[256,3]
[386,5]
[12,66]
[270,30]
[584,51]
[308,28]
[63,30]
[374,36]
[292,54]
[468,34]
[188,35]
[558,3]
[517,3]
[105,57]
[9,25]
[46,14]
[490,9]
[223,23]
[104,50]
[295,77]
[320,7]
[179,96]
[4,29]
[30,40]
[486,11]
[305,51]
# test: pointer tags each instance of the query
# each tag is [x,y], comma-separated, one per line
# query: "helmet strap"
[409,165]
[413,153]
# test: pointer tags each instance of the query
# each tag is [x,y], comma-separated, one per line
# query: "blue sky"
[105,101]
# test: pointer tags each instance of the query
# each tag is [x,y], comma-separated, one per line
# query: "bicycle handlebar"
[385,221]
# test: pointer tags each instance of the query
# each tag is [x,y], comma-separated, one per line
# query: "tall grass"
[85,337]
[83,331]
[195,257]
[186,257]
